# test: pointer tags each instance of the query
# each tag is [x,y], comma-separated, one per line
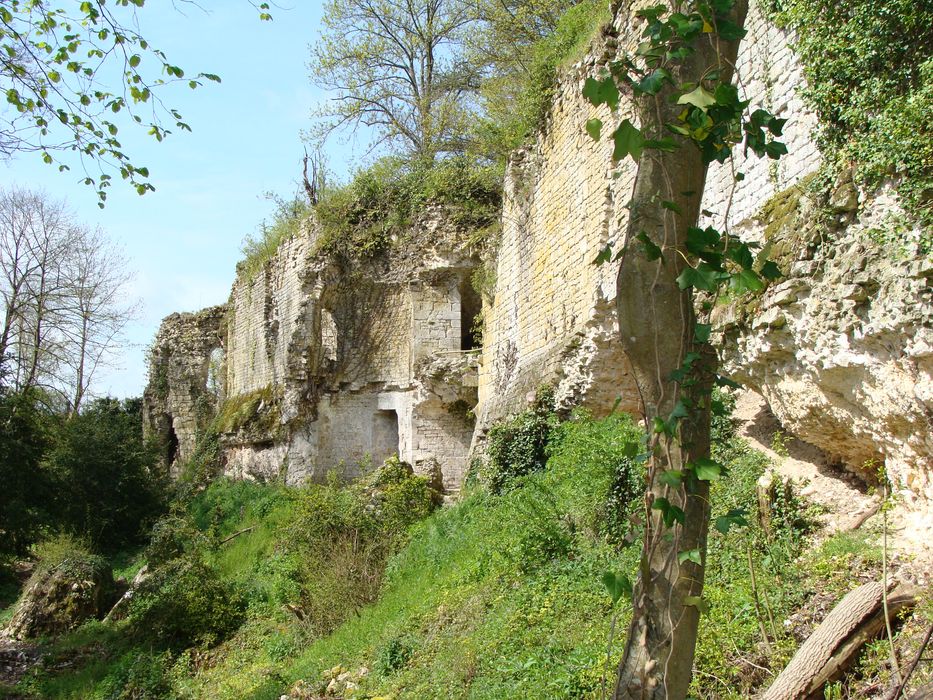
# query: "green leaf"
[652,83]
[698,603]
[605,255]
[701,332]
[628,141]
[672,477]
[706,469]
[700,277]
[671,206]
[690,555]
[770,271]
[669,513]
[746,281]
[651,250]
[618,585]
[594,128]
[726,382]
[600,92]
[734,518]
[729,31]
[134,60]
[701,98]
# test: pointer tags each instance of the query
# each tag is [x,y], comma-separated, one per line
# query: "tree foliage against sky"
[397,67]
[73,74]
[63,293]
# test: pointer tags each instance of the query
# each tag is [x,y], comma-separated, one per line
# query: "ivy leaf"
[725,382]
[594,128]
[770,271]
[672,477]
[605,255]
[701,332]
[651,250]
[628,141]
[652,83]
[775,149]
[746,281]
[669,513]
[700,98]
[600,92]
[706,469]
[690,555]
[671,206]
[697,602]
[729,31]
[618,585]
[700,277]
[734,518]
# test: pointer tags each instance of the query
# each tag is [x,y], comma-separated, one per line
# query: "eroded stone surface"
[842,348]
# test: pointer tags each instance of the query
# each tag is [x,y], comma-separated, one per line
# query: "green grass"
[498,596]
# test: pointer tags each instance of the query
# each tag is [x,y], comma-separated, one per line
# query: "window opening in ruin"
[171,447]
[214,384]
[471,305]
[385,436]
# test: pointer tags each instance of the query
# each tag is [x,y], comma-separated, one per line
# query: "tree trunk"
[836,643]
[657,325]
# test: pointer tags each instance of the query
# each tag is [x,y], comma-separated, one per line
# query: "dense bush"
[186,603]
[107,486]
[517,446]
[25,431]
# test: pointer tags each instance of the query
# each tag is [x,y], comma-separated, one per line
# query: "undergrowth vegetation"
[257,589]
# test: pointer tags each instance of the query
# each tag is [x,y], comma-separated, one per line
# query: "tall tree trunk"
[657,325]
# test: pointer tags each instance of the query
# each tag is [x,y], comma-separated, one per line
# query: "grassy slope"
[494,597]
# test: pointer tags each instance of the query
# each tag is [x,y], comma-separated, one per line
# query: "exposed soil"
[845,501]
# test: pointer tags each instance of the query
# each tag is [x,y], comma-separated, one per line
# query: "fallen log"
[835,644]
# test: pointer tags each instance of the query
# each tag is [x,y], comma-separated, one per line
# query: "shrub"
[517,446]
[185,603]
[139,675]
[107,485]
[394,654]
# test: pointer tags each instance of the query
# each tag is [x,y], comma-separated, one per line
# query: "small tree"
[397,68]
[108,487]
[689,115]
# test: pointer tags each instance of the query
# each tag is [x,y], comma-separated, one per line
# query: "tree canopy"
[74,73]
[397,68]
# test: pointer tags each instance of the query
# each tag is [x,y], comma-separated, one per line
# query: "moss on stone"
[257,412]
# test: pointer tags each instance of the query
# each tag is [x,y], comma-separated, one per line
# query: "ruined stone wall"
[336,345]
[185,380]
[552,316]
[267,314]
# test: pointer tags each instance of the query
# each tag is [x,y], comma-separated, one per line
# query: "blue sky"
[183,240]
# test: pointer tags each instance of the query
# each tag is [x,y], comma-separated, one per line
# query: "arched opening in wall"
[171,446]
[470,307]
[385,436]
[215,375]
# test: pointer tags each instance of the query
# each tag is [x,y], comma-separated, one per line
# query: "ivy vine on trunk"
[689,114]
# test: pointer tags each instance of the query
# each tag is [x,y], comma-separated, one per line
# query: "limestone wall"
[185,380]
[321,357]
[552,316]
[842,347]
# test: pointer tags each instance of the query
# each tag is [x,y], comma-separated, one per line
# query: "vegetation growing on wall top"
[870,80]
